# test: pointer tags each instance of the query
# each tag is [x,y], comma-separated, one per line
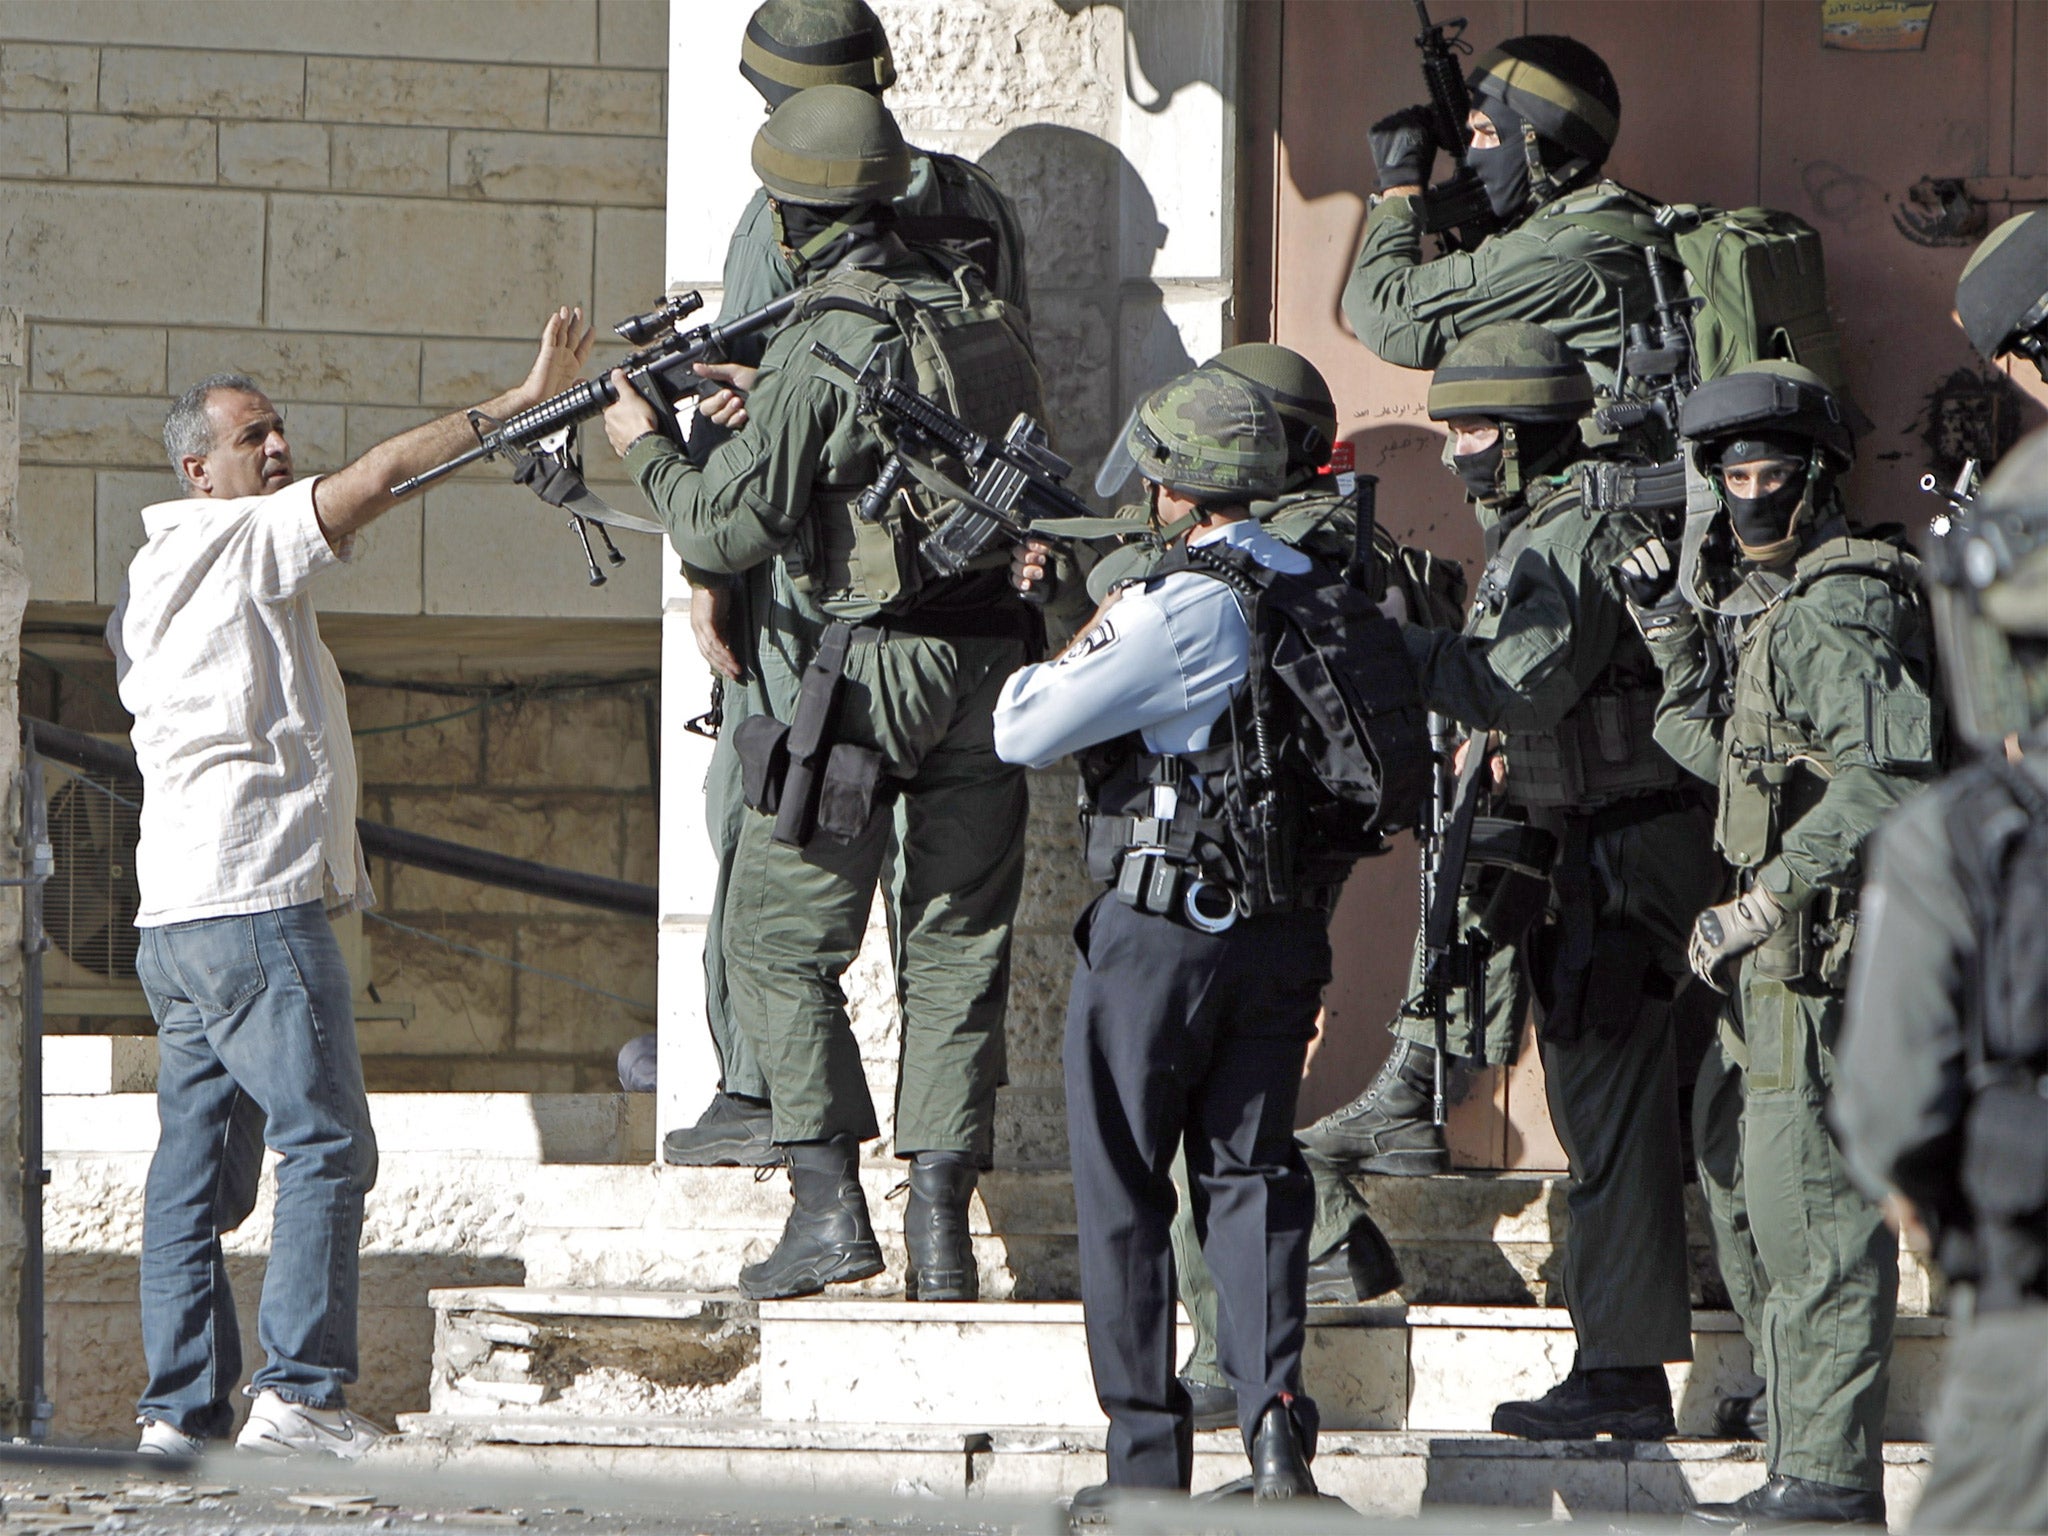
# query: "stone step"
[1387,1474]
[1021,1365]
[1479,1239]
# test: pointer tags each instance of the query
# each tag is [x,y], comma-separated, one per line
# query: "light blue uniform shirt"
[1164,661]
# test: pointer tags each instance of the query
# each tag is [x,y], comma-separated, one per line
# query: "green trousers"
[1717,1152]
[1826,1275]
[1991,1428]
[1611,1082]
[1338,1205]
[794,917]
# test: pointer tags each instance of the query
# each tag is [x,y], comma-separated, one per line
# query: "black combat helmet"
[792,45]
[1771,410]
[2002,296]
[1298,392]
[1988,578]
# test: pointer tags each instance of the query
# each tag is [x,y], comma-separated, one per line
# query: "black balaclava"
[1540,446]
[1480,471]
[1504,169]
[813,239]
[1764,524]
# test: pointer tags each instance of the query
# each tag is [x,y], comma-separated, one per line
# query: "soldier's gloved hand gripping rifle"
[1016,489]
[540,442]
[1456,210]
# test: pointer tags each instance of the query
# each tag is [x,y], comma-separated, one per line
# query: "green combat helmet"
[831,147]
[1988,579]
[1210,435]
[1558,86]
[793,45]
[2002,296]
[1522,377]
[1308,412]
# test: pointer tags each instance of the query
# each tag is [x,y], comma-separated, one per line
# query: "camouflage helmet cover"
[832,146]
[1513,371]
[2004,287]
[792,45]
[1560,86]
[1298,392]
[1209,434]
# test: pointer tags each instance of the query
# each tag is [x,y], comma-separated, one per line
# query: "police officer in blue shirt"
[1185,1018]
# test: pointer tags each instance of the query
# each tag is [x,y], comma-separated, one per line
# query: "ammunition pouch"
[812,785]
[762,743]
[1602,752]
[1506,884]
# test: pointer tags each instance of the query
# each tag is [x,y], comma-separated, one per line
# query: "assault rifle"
[1015,482]
[1456,210]
[1450,959]
[540,442]
[1658,371]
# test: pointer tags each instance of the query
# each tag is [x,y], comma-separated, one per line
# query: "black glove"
[1403,148]
[1648,579]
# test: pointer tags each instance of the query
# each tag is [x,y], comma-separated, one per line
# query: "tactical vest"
[973,357]
[1773,770]
[1998,835]
[1322,752]
[1603,750]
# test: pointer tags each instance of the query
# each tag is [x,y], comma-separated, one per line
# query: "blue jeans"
[256,1039]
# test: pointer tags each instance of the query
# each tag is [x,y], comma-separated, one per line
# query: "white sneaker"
[162,1438]
[278,1427]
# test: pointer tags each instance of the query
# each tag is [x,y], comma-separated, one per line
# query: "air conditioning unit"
[90,902]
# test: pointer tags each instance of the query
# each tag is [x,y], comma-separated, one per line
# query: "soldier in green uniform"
[1805,698]
[904,672]
[1553,683]
[1349,1258]
[1545,112]
[951,202]
[1945,1043]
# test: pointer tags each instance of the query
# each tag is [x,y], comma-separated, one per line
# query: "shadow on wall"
[1092,234]
[1170,45]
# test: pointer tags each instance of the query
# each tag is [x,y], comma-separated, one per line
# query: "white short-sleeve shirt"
[241,724]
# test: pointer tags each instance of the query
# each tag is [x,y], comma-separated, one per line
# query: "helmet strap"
[802,258]
[1510,462]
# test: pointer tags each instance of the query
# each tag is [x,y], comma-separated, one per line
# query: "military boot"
[1628,1402]
[940,1263]
[1791,1501]
[1358,1269]
[733,1132]
[1387,1129]
[827,1238]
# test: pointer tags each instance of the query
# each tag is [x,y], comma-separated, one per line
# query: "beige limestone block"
[377,159]
[405,265]
[384,577]
[495,549]
[461,1004]
[454,374]
[642,863]
[190,82]
[571,828]
[70,253]
[449,752]
[989,65]
[273,154]
[299,365]
[97,359]
[90,429]
[142,148]
[118,499]
[1076,339]
[49,75]
[560,168]
[607,100]
[594,742]
[55,526]
[632,32]
[414,91]
[615,955]
[629,262]
[32,143]
[369,425]
[543,31]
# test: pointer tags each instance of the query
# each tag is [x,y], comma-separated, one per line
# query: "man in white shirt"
[248,849]
[1188,1020]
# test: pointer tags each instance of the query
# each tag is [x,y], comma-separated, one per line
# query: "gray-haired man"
[248,848]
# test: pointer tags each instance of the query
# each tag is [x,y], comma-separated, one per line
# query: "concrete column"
[712,117]
[13,599]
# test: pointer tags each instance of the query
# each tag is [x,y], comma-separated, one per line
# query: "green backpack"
[1759,278]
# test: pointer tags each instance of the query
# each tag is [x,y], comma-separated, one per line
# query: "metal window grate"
[89,906]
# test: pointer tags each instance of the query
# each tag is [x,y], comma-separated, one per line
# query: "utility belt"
[1605,750]
[1153,881]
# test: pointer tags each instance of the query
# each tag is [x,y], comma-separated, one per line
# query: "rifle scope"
[638,330]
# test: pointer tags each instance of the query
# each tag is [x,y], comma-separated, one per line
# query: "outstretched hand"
[565,343]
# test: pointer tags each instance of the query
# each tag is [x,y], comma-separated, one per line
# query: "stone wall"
[13,597]
[368,206]
[1113,129]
